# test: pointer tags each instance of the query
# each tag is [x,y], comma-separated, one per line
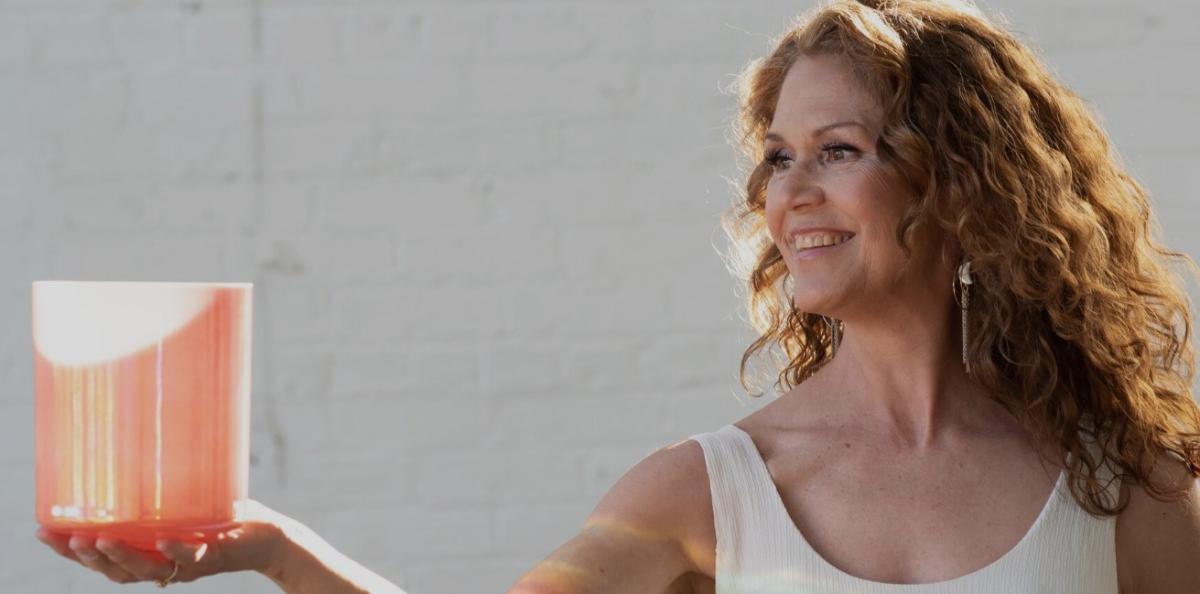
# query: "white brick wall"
[482,236]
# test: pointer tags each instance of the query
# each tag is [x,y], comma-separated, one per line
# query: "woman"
[989,366]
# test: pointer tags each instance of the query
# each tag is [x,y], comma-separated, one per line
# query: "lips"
[813,252]
[791,233]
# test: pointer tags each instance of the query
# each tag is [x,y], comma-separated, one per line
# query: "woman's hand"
[255,545]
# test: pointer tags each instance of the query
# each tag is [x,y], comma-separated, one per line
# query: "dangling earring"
[834,327]
[964,281]
[836,330]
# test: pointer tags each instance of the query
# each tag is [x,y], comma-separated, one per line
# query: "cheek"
[880,211]
[876,200]
[866,177]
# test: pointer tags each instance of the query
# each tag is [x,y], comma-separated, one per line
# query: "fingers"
[135,563]
[87,554]
[185,554]
[123,564]
[56,542]
[194,559]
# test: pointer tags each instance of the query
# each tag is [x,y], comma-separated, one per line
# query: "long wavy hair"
[1077,324]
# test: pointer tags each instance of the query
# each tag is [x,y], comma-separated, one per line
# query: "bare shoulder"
[641,537]
[1158,542]
[665,493]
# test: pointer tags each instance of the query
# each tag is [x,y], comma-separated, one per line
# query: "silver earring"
[964,281]
[833,325]
[835,330]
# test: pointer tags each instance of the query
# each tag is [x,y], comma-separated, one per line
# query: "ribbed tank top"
[761,551]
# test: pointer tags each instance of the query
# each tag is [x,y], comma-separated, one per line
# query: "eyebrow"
[819,131]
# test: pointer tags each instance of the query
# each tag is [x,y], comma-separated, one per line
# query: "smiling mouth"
[799,247]
[819,239]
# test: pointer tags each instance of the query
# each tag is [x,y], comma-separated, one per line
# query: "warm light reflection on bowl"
[142,407]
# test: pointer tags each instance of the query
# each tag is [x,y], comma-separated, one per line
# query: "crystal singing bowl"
[142,408]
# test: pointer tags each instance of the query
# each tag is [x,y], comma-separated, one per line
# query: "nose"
[799,188]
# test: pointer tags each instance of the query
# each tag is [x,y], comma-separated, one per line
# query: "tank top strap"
[744,501]
[727,481]
[1080,545]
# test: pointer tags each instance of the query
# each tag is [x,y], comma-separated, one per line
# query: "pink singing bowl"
[142,408]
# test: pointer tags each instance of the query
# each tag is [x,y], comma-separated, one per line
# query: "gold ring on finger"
[167,580]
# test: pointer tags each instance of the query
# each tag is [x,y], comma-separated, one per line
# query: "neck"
[899,373]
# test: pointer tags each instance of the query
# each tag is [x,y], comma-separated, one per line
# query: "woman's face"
[830,186]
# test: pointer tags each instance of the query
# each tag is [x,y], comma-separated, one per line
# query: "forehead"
[821,89]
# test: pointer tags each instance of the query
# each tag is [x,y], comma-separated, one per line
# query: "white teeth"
[801,242]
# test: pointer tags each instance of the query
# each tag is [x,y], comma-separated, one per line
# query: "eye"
[776,159]
[837,151]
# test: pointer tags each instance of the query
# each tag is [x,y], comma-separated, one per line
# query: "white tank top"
[760,550]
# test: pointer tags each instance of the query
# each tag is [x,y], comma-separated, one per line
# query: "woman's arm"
[1158,543]
[634,541]
[267,542]
[303,563]
[637,538]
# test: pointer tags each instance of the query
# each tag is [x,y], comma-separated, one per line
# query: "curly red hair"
[1077,324]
